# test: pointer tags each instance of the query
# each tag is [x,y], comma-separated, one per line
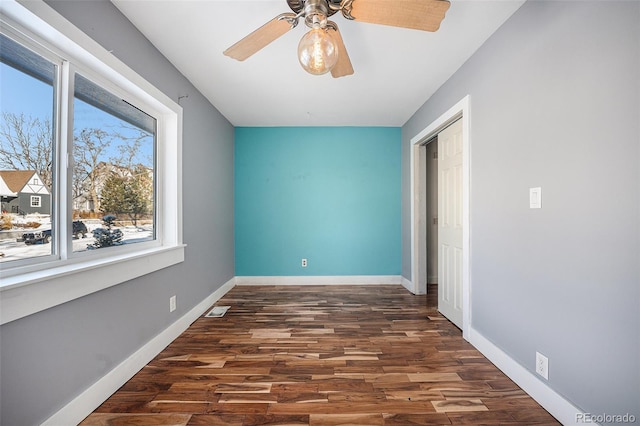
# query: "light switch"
[535,198]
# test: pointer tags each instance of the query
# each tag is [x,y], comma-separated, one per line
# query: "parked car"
[79,228]
[36,237]
[44,236]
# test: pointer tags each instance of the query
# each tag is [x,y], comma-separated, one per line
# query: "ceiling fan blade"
[261,37]
[343,67]
[425,15]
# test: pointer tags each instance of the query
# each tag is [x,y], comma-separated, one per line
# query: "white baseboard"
[554,403]
[408,285]
[85,403]
[321,280]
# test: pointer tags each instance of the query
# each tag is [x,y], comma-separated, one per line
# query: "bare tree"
[26,143]
[99,153]
[130,149]
[89,147]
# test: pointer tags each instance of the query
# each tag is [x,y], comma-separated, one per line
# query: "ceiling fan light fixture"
[318,51]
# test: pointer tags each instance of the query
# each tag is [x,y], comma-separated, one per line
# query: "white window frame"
[37,199]
[65,276]
[144,106]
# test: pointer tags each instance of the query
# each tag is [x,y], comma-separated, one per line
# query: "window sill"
[26,294]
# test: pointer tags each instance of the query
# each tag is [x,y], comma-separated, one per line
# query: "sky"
[20,93]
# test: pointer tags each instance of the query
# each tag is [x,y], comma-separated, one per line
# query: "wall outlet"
[542,365]
[172,303]
[304,263]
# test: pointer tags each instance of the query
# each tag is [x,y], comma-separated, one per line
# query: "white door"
[450,223]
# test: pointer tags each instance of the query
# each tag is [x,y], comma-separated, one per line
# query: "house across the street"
[23,192]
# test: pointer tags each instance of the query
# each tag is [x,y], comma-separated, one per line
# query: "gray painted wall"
[555,103]
[48,358]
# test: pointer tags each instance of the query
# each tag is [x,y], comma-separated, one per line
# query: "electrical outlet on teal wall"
[331,195]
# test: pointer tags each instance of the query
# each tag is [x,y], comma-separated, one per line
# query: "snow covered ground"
[11,249]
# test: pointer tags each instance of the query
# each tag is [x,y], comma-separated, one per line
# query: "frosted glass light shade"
[317,51]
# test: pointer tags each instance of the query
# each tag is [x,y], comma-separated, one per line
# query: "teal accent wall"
[331,195]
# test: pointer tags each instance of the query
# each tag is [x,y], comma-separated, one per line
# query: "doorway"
[431,218]
[419,225]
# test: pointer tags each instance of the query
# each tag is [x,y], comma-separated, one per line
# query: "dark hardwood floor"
[313,355]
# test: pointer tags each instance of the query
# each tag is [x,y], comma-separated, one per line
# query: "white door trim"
[460,109]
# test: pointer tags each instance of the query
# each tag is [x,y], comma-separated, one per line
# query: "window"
[27,121]
[113,151]
[103,156]
[113,168]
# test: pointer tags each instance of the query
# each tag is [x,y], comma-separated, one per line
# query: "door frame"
[418,241]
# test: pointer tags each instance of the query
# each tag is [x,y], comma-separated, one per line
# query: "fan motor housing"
[298,6]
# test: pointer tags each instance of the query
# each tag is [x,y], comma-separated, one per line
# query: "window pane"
[26,152]
[113,173]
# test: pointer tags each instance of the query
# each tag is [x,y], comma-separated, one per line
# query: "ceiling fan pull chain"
[347,7]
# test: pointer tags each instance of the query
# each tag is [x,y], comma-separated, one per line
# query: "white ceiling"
[396,69]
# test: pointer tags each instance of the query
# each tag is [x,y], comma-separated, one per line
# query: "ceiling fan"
[322,49]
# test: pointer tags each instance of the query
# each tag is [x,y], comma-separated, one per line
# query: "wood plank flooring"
[313,355]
